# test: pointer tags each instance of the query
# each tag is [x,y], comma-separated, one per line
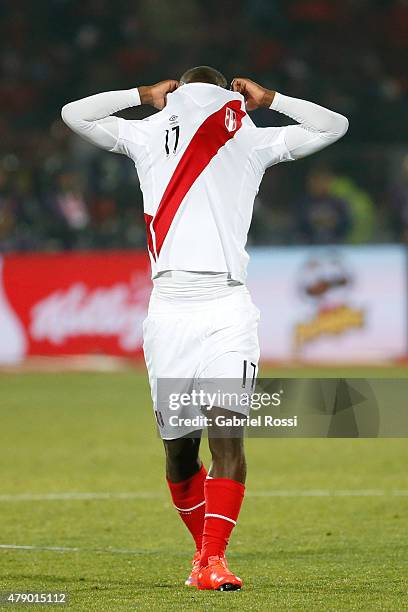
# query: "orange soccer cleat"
[217,577]
[192,579]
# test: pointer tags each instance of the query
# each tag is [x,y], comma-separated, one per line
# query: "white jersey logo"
[230,119]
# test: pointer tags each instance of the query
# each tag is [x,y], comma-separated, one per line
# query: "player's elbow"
[342,125]
[68,114]
[336,129]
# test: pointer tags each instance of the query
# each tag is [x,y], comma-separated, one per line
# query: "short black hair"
[204,74]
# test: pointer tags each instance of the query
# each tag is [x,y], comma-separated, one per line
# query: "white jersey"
[200,162]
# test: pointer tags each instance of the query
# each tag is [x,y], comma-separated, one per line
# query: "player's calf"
[224,491]
[228,456]
[185,478]
[182,460]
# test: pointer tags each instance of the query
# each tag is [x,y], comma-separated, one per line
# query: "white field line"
[79,496]
[73,549]
[72,496]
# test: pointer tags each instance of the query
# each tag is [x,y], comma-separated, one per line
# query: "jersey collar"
[204,94]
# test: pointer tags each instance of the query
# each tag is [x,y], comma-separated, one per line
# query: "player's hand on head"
[156,95]
[255,95]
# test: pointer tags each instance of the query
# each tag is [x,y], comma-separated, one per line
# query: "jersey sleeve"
[317,128]
[269,146]
[94,120]
[132,139]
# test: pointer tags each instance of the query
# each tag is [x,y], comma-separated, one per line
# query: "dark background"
[57,192]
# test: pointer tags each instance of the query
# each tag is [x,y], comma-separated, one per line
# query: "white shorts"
[197,344]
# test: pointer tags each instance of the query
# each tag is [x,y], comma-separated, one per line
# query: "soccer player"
[200,161]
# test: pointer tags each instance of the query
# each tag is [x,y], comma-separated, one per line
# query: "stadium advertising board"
[320,304]
[69,304]
[317,304]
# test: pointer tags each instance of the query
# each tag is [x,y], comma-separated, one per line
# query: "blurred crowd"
[59,193]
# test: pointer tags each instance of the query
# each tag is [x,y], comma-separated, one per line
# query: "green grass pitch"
[93,433]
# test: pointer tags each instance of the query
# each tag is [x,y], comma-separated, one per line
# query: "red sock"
[188,499]
[223,499]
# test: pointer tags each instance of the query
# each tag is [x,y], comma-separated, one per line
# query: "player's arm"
[318,126]
[93,118]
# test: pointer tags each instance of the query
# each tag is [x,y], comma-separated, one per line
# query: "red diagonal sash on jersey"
[212,134]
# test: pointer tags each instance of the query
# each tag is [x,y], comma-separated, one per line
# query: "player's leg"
[224,493]
[185,478]
[227,447]
[231,352]
[182,458]
[168,337]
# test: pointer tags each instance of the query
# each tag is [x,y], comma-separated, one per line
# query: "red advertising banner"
[79,303]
